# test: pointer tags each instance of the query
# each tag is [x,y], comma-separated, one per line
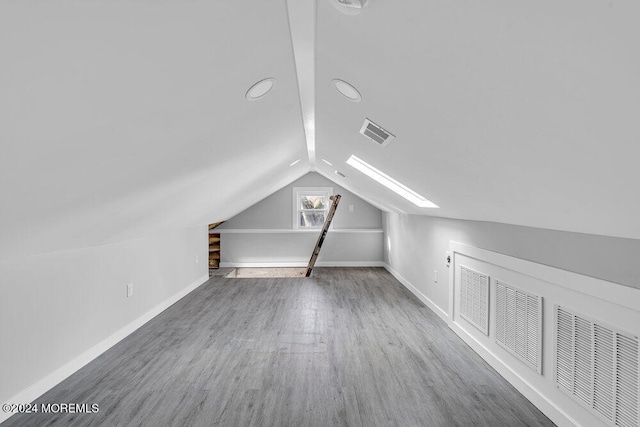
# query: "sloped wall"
[59,310]
[263,235]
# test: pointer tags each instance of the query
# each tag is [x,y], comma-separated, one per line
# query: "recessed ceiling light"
[327,162]
[390,183]
[348,91]
[295,162]
[260,89]
[349,7]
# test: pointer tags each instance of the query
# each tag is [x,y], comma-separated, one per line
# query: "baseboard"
[530,392]
[548,407]
[295,231]
[303,264]
[47,383]
[422,297]
[350,264]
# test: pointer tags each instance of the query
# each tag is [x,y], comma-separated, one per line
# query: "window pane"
[311,219]
[312,202]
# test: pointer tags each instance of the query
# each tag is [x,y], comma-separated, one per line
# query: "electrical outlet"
[129,290]
[435,276]
[196,259]
[350,208]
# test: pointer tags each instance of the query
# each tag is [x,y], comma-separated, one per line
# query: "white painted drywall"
[275,211]
[264,235]
[294,248]
[122,119]
[415,246]
[519,113]
[611,305]
[56,306]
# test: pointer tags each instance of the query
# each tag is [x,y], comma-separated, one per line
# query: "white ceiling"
[524,113]
[121,119]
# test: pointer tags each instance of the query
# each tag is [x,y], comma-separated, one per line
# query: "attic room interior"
[481,265]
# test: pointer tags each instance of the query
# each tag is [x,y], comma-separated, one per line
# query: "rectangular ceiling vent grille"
[376,133]
[474,298]
[519,324]
[598,366]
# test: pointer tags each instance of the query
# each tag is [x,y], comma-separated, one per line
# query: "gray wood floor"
[349,346]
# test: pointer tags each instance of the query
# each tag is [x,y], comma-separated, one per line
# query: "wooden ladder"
[323,234]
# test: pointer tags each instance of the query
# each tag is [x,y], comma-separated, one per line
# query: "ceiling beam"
[302,25]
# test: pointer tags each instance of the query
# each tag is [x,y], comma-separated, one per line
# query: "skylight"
[389,182]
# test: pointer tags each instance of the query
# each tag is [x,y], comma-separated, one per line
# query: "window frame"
[298,192]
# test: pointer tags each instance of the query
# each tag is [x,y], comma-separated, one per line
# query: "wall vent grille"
[474,298]
[519,324]
[598,366]
[376,133]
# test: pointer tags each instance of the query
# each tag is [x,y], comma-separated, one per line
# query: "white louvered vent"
[474,298]
[598,366]
[376,133]
[519,324]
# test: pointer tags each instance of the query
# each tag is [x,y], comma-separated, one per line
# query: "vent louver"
[474,298]
[519,324]
[376,133]
[598,366]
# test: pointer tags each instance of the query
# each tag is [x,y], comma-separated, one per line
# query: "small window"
[310,206]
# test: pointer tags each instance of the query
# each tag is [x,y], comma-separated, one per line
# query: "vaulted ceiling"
[121,119]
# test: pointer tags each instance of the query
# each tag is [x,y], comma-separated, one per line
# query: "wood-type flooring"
[348,346]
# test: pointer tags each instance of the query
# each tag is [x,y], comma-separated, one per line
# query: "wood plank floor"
[349,346]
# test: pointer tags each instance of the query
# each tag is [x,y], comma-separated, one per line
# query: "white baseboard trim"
[545,405]
[36,390]
[422,297]
[548,407]
[303,264]
[293,231]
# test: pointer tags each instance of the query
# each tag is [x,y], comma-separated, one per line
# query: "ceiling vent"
[376,133]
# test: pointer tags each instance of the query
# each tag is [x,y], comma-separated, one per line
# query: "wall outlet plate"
[129,290]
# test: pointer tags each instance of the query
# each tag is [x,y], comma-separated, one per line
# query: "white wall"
[275,211]
[613,306]
[264,235]
[58,306]
[286,248]
[415,246]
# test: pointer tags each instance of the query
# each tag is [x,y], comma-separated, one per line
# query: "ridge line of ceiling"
[302,29]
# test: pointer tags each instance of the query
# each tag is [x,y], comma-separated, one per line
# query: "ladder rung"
[323,234]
